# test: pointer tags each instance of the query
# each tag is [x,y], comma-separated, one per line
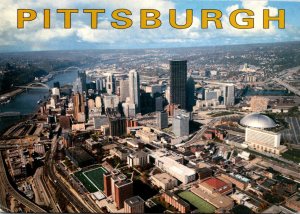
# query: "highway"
[50,171]
[199,134]
[10,189]
[287,86]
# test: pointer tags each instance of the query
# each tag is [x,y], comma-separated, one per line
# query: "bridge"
[287,86]
[71,68]
[13,114]
[10,114]
[35,85]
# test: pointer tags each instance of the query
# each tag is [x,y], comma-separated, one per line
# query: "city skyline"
[206,130]
[33,37]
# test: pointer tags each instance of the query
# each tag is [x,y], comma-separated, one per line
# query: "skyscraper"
[124,90]
[178,70]
[82,76]
[162,119]
[134,89]
[99,85]
[111,84]
[190,94]
[228,95]
[79,107]
[77,86]
[181,123]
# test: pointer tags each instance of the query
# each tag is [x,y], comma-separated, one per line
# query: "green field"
[92,179]
[199,203]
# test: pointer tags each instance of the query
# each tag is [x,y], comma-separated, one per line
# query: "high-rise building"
[56,85]
[111,84]
[55,91]
[162,119]
[134,89]
[134,205]
[129,109]
[123,191]
[117,126]
[82,76]
[181,123]
[98,102]
[110,101]
[124,90]
[119,187]
[190,94]
[77,86]
[99,85]
[107,183]
[167,95]
[79,106]
[178,69]
[91,104]
[159,103]
[228,95]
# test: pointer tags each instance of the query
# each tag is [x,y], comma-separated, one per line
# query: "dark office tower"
[117,126]
[162,119]
[190,94]
[56,85]
[207,73]
[82,76]
[159,103]
[178,69]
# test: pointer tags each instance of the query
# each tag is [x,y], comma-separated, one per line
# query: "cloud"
[36,38]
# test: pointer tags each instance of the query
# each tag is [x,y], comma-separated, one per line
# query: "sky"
[34,38]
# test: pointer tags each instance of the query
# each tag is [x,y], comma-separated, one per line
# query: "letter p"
[21,18]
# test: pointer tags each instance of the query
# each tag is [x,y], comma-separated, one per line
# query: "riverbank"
[9,95]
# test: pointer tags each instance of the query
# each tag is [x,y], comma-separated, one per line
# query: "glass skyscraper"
[178,70]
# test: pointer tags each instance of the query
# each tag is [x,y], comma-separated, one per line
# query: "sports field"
[199,203]
[92,179]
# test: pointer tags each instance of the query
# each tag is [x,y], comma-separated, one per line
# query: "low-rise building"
[168,163]
[138,158]
[294,203]
[175,201]
[146,135]
[164,181]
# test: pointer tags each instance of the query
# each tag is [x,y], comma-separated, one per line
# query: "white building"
[124,90]
[181,123]
[55,91]
[264,141]
[110,84]
[168,163]
[134,89]
[129,109]
[111,101]
[138,158]
[228,95]
[146,135]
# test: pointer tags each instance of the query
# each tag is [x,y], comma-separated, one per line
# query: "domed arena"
[257,120]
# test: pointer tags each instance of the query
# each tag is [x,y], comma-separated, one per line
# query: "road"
[10,189]
[287,86]
[50,171]
[199,134]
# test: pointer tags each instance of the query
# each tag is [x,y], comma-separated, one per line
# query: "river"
[26,102]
